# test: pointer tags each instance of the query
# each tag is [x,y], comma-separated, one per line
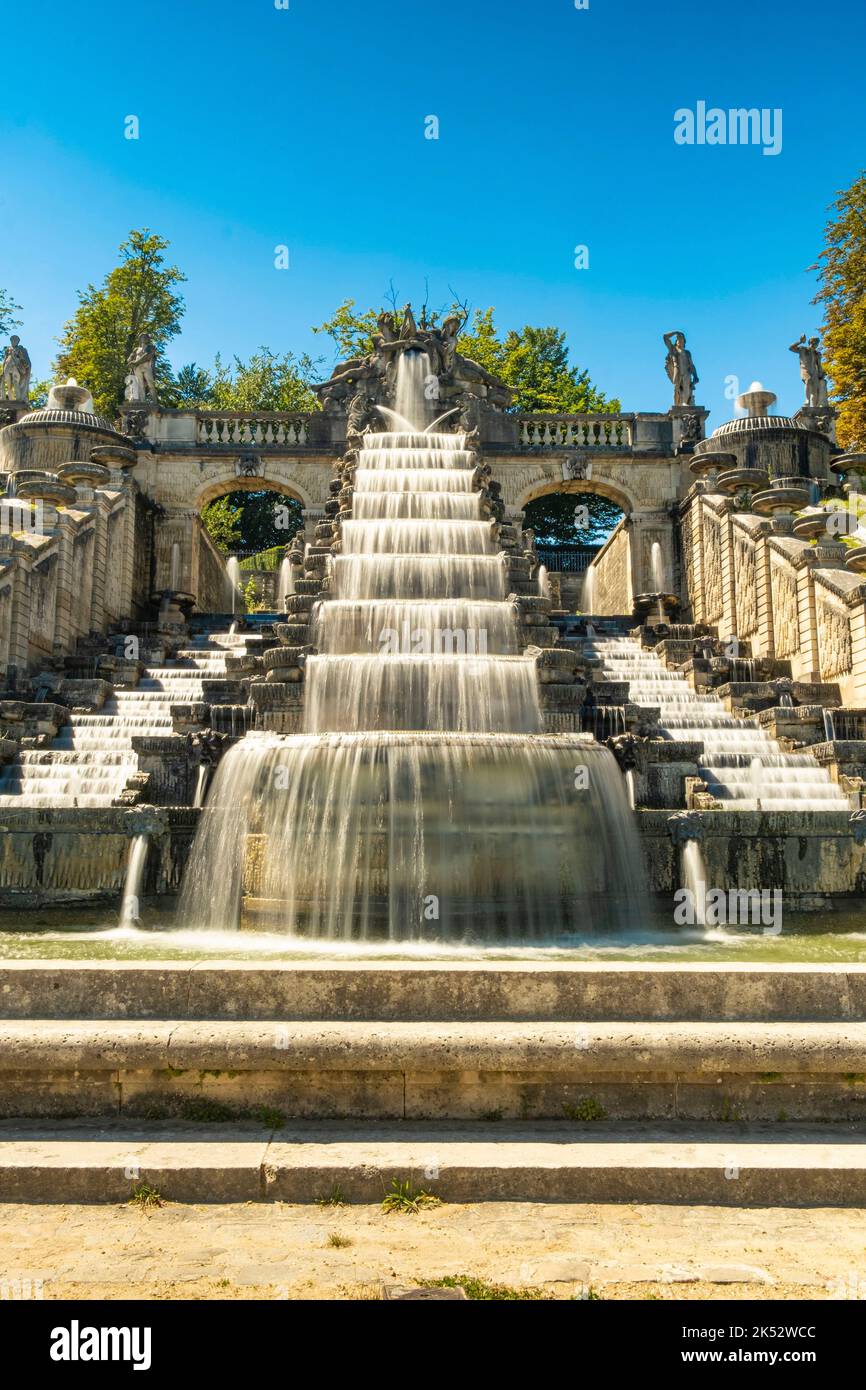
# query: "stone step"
[449,1070]
[785,1166]
[390,990]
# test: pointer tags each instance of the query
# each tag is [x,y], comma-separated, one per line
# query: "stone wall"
[785,596]
[209,572]
[612,569]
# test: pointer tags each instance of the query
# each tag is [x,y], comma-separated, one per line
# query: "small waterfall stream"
[130,907]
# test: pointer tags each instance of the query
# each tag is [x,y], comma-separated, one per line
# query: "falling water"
[829,726]
[694,875]
[423,799]
[233,583]
[738,757]
[413,372]
[90,761]
[175,568]
[543,582]
[285,584]
[657,567]
[587,601]
[130,907]
[200,785]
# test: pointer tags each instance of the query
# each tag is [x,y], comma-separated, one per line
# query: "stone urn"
[709,463]
[852,468]
[84,475]
[781,500]
[745,480]
[650,608]
[114,456]
[855,558]
[45,487]
[811,524]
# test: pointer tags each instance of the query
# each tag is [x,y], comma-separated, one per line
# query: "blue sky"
[305,127]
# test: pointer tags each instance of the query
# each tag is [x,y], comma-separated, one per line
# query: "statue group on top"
[361,384]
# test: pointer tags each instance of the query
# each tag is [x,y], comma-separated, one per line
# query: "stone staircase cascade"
[214,1080]
[742,766]
[92,757]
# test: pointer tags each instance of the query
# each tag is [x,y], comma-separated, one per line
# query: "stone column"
[19,624]
[64,581]
[810,665]
[729,601]
[763,592]
[697,518]
[124,484]
[100,508]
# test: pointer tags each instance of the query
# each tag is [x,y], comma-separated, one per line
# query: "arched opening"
[249,521]
[572,522]
[249,517]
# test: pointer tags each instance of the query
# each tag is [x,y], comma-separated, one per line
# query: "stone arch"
[214,488]
[615,492]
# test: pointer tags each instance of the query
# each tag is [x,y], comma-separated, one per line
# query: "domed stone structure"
[66,429]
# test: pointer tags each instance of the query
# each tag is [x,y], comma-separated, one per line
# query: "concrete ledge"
[673,1164]
[683,1048]
[386,991]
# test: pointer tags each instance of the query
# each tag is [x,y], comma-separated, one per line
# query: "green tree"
[252,521]
[534,363]
[268,381]
[556,520]
[842,274]
[137,296]
[222,521]
[192,388]
[352,331]
[8,310]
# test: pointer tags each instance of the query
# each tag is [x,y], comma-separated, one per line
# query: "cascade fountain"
[423,800]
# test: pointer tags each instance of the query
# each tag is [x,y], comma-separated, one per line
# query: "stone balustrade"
[262,430]
[577,431]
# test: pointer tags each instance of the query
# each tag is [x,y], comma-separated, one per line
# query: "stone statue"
[141,381]
[361,409]
[16,371]
[360,383]
[812,372]
[680,368]
[387,327]
[408,328]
